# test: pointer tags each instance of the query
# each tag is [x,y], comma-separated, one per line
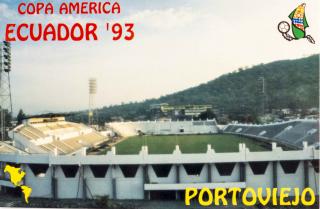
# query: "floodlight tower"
[92,94]
[5,88]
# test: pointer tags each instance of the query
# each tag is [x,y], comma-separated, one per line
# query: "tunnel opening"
[193,169]
[129,171]
[225,169]
[162,170]
[70,171]
[99,171]
[259,168]
[290,167]
[39,170]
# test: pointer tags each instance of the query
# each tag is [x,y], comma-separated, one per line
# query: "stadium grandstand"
[54,155]
[290,133]
[7,148]
[54,135]
[127,129]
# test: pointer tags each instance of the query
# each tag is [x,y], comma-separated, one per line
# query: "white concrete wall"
[129,188]
[41,186]
[185,178]
[133,188]
[263,180]
[98,186]
[153,178]
[234,177]
[23,143]
[313,179]
[295,180]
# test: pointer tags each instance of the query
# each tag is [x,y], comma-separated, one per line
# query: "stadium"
[158,159]
[152,160]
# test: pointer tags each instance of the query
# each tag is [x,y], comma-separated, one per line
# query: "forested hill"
[288,84]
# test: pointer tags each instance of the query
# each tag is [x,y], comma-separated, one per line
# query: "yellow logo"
[16,177]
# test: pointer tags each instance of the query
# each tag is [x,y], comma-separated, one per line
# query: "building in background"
[164,110]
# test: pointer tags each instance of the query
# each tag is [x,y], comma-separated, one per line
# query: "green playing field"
[187,143]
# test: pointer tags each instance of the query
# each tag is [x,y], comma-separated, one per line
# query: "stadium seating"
[6,149]
[42,136]
[292,133]
[299,132]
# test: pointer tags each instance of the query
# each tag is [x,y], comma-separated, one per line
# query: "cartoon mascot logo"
[298,24]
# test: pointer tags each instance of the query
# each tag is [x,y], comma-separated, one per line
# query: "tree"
[290,84]
[20,117]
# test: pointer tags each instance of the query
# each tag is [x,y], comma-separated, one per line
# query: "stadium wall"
[137,176]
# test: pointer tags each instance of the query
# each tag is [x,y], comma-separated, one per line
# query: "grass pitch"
[187,143]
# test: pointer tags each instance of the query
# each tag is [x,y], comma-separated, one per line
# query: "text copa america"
[61,31]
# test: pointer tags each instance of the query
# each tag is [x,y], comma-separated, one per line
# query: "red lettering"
[40,6]
[99,8]
[64,27]
[74,7]
[130,31]
[31,9]
[84,8]
[64,9]
[105,7]
[49,30]
[19,34]
[49,9]
[91,31]
[93,8]
[87,7]
[32,32]
[115,8]
[73,33]
[117,31]
[22,12]
[9,31]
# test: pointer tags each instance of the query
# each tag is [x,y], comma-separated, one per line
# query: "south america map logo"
[16,177]
[298,24]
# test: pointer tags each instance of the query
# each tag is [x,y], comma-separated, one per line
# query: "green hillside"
[289,84]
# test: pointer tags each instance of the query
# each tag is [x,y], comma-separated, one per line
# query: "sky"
[178,44]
